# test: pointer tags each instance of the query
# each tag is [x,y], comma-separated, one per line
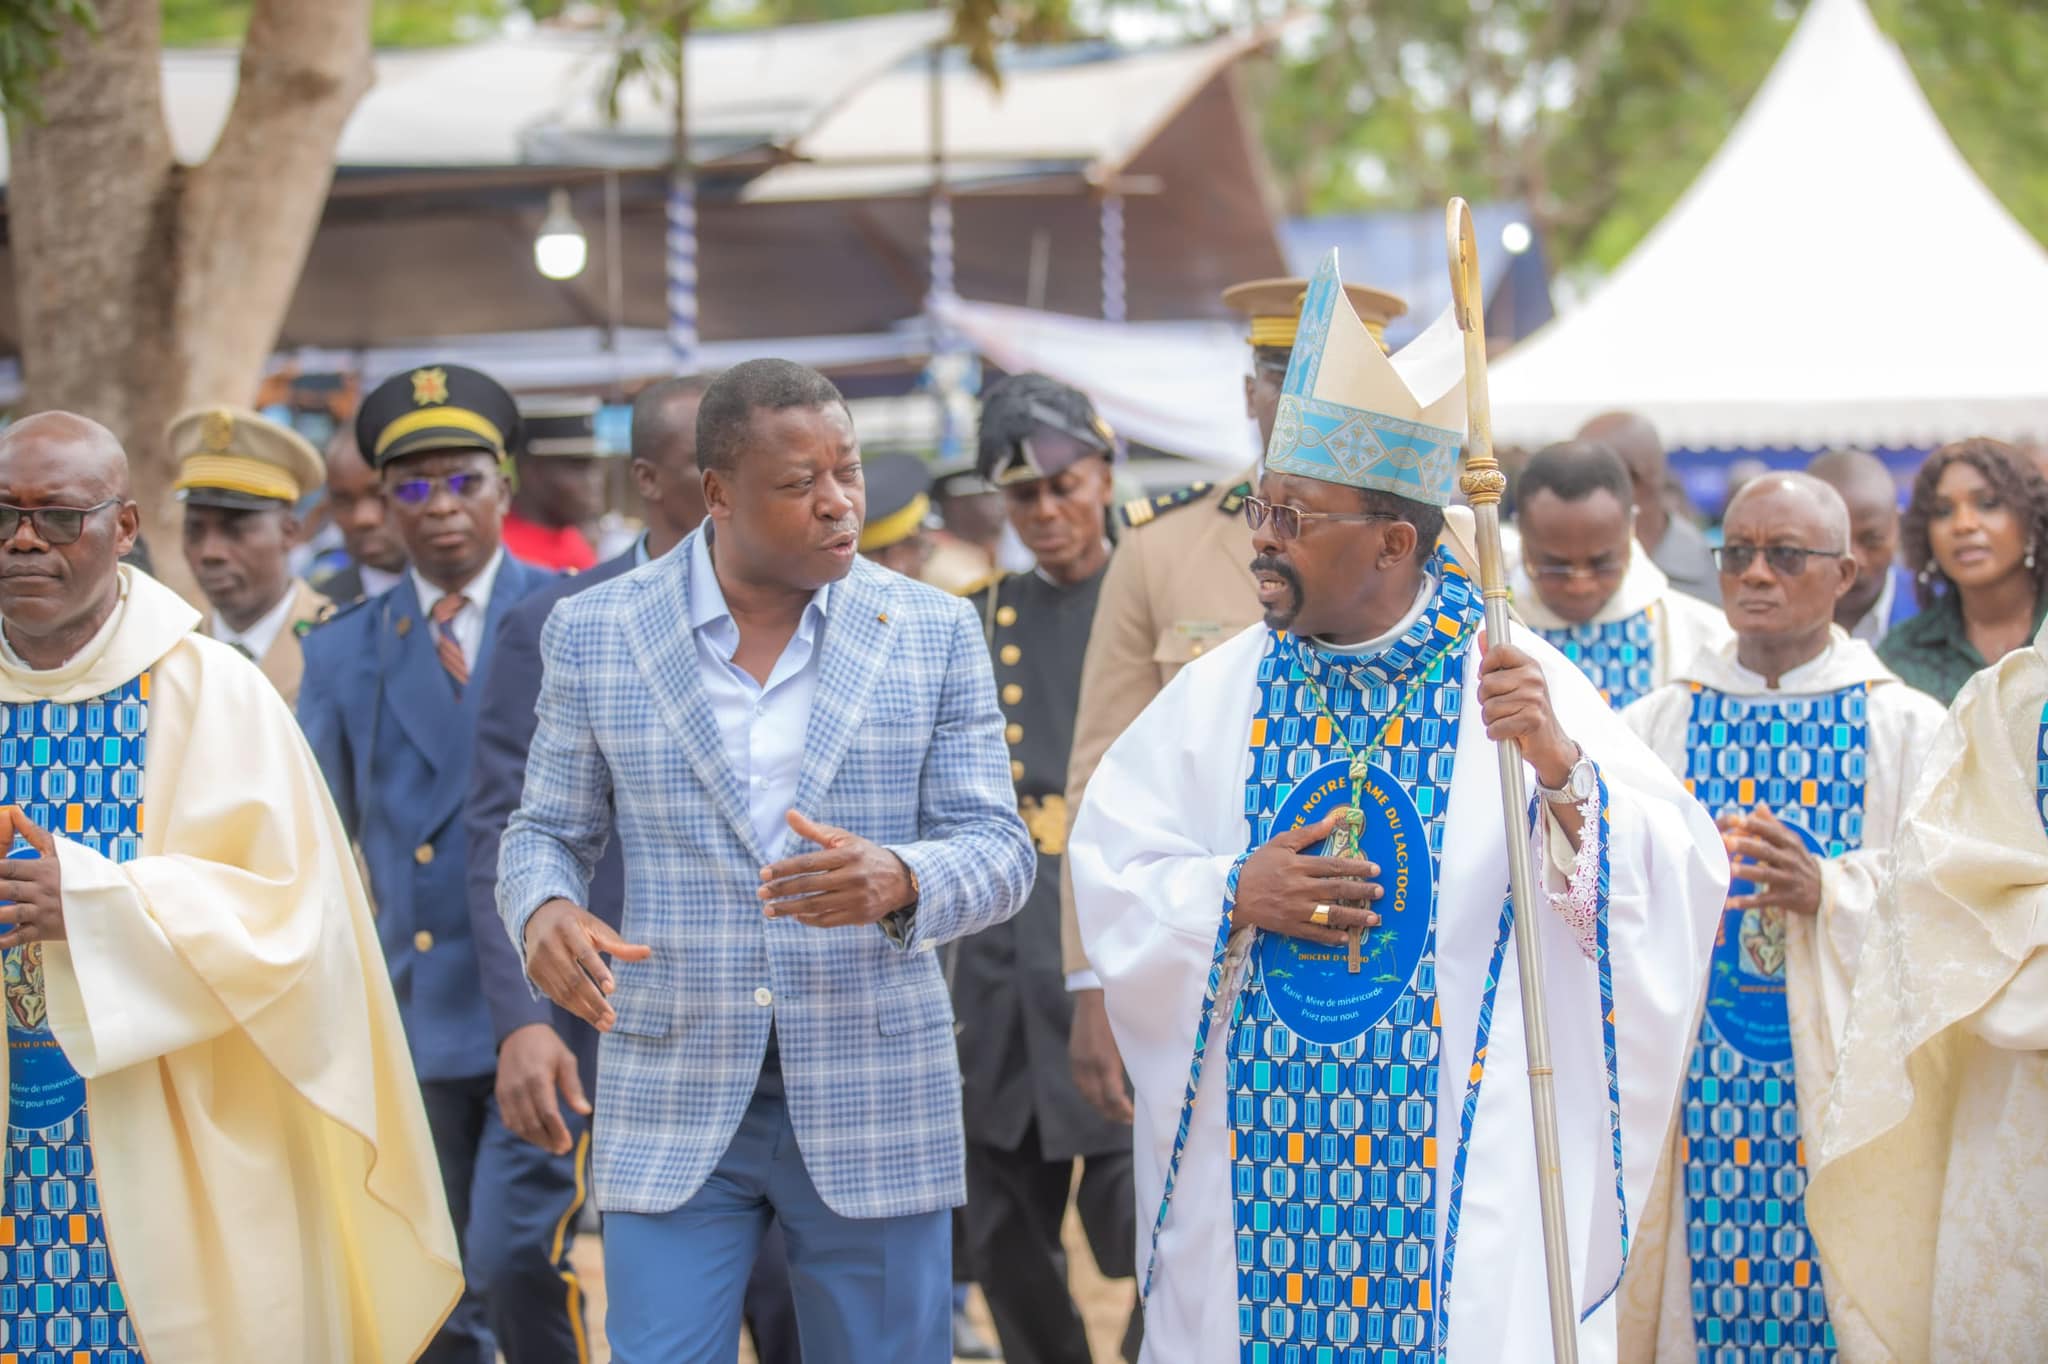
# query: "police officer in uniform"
[389,706]
[240,476]
[1180,584]
[1043,446]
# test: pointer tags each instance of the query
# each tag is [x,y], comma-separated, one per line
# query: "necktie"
[445,644]
[243,649]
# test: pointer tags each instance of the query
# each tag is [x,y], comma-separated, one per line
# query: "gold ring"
[1321,917]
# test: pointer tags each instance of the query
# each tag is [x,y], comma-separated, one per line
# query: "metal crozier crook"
[1483,484]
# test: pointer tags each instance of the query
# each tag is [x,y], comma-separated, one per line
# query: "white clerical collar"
[477,591]
[1845,662]
[257,639]
[1425,596]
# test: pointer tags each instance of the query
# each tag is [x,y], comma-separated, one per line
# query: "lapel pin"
[883,617]
[404,626]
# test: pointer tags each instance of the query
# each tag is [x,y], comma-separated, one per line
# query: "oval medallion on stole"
[1313,988]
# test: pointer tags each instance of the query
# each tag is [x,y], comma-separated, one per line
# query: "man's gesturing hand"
[533,1063]
[1279,888]
[32,886]
[852,881]
[562,946]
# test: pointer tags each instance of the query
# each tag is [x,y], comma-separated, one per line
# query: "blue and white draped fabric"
[75,770]
[1619,657]
[2041,770]
[1756,1280]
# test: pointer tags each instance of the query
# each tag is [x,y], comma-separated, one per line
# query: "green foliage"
[1601,112]
[393,23]
[29,30]
[1984,66]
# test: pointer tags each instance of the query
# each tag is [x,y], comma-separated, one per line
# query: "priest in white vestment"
[217,1151]
[1805,746]
[1585,584]
[1291,875]
[1930,1191]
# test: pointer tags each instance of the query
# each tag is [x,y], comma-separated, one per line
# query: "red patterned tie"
[445,644]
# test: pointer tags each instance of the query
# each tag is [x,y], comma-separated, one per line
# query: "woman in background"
[1976,537]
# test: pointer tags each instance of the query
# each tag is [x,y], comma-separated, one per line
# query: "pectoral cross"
[1347,846]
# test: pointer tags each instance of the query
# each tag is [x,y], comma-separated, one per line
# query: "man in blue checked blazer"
[804,761]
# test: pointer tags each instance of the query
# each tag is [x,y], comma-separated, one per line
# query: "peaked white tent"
[1837,274]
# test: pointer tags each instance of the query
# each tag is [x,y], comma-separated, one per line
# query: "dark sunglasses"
[1787,561]
[1287,520]
[414,492]
[55,525]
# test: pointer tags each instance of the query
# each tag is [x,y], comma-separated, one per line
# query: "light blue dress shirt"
[762,727]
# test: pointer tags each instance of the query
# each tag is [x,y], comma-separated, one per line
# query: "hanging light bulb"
[560,251]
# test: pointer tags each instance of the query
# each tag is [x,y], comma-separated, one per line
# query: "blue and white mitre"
[1350,415]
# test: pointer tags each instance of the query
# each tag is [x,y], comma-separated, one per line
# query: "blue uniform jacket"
[395,743]
[504,730]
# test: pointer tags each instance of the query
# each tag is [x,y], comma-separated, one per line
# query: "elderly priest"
[215,1146]
[1299,849]
[1805,747]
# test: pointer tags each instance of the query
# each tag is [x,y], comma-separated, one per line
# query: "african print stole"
[2041,769]
[1619,657]
[1756,1283]
[75,770]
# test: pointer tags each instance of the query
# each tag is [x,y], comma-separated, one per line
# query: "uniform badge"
[429,387]
[217,431]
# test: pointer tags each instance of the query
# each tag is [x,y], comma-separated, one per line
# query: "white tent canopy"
[1837,274]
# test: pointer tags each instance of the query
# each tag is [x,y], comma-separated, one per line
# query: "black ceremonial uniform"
[1025,1120]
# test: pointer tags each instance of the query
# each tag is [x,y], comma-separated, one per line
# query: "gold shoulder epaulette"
[1232,502]
[1140,510]
[981,585]
[329,613]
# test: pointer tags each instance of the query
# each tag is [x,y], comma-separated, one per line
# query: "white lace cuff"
[1578,904]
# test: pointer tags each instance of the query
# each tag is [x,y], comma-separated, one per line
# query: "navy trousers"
[867,1290]
[514,1207]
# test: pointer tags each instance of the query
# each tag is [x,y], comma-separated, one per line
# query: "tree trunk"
[145,287]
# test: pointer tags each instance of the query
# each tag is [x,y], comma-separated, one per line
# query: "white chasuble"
[1170,815]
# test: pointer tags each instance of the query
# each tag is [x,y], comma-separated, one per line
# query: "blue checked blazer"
[905,748]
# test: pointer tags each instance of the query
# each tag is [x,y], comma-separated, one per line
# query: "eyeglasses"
[415,492]
[55,525]
[1564,573]
[1287,520]
[1787,561]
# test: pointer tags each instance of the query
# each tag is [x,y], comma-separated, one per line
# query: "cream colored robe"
[1930,1194]
[1821,952]
[265,1170]
[1684,625]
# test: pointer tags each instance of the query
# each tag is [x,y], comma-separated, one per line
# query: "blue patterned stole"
[2041,769]
[1619,657]
[1756,1283]
[75,770]
[1334,1124]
